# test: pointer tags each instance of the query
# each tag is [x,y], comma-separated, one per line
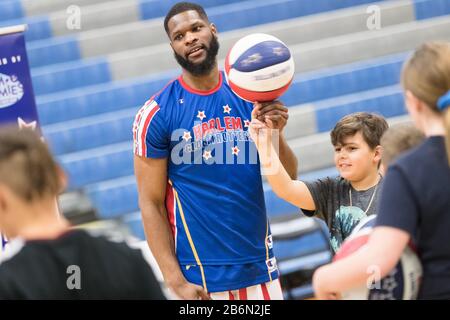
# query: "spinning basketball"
[402,283]
[259,67]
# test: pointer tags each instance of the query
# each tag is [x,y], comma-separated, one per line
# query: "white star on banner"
[23,125]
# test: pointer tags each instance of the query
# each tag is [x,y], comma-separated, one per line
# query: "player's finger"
[271,108]
[277,112]
[255,111]
[270,123]
[203,295]
[274,117]
[267,103]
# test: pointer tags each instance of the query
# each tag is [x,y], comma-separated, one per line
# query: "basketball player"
[415,199]
[46,259]
[200,194]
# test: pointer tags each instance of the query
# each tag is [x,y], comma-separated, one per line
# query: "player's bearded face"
[205,66]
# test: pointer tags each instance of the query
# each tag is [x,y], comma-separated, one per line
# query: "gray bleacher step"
[116,17]
[307,56]
[36,7]
[99,15]
[321,26]
[368,44]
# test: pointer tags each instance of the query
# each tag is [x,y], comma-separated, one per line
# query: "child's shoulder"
[330,182]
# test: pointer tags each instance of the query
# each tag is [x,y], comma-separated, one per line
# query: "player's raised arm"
[151,176]
[293,191]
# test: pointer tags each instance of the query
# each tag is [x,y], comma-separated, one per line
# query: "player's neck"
[433,125]
[367,182]
[202,83]
[41,221]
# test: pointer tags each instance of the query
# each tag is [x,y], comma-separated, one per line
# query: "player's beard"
[204,67]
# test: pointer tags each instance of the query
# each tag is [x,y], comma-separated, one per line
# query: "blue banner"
[17,103]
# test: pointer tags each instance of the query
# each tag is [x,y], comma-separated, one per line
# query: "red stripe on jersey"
[139,116]
[230,296]
[201,92]
[170,208]
[265,292]
[137,122]
[144,131]
[243,294]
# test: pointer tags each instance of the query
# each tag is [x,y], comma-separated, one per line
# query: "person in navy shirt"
[415,199]
[198,174]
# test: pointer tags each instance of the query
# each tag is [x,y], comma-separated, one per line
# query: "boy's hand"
[259,131]
[273,113]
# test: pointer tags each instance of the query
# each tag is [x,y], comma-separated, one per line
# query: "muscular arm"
[287,157]
[151,176]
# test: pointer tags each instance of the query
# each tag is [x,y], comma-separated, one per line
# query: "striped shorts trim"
[265,291]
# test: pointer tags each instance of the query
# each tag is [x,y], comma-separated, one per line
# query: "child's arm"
[384,249]
[293,191]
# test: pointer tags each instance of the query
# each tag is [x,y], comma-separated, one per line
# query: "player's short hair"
[182,7]
[398,139]
[371,126]
[26,165]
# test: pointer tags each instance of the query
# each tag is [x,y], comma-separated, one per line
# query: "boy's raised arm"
[294,191]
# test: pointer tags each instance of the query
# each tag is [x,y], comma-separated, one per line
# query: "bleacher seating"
[90,82]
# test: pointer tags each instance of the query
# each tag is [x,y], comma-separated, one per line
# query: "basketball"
[402,283]
[259,67]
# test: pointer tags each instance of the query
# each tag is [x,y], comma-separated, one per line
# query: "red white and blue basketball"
[402,283]
[259,67]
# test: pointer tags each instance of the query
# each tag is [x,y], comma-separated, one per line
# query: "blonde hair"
[427,75]
[398,139]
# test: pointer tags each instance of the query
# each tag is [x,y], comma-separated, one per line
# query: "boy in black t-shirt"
[46,258]
[343,201]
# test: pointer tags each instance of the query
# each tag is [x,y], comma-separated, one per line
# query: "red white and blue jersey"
[214,197]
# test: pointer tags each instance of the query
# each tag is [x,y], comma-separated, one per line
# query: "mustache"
[204,67]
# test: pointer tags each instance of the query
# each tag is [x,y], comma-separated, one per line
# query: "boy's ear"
[3,198]
[378,154]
